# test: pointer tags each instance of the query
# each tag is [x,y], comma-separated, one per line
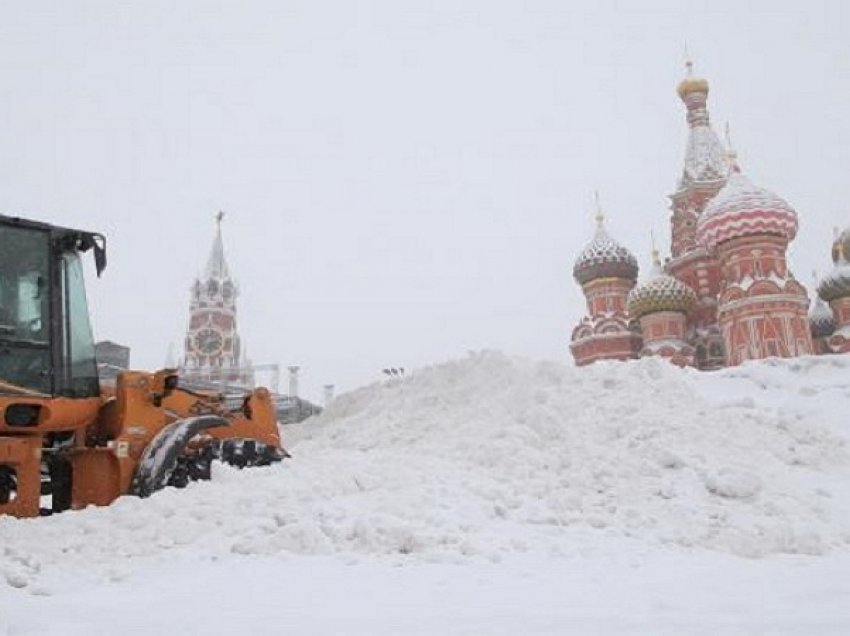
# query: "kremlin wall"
[726,294]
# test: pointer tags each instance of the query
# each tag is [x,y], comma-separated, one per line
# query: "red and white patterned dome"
[743,209]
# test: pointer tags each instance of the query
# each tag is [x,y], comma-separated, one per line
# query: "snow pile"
[492,455]
[632,448]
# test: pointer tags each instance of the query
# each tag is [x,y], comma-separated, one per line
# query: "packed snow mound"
[491,455]
[634,448]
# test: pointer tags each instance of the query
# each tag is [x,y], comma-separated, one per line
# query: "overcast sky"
[404,181]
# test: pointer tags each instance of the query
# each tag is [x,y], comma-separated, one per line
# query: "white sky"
[403,181]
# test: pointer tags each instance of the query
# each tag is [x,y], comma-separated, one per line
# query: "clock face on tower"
[208,341]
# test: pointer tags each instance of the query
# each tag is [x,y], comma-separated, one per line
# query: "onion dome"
[691,84]
[661,292]
[604,257]
[743,209]
[821,320]
[841,246]
[836,284]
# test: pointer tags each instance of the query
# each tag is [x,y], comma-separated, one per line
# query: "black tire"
[241,453]
[61,476]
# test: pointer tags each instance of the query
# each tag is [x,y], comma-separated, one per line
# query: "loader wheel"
[193,467]
[60,478]
[244,453]
[8,484]
[241,453]
[160,458]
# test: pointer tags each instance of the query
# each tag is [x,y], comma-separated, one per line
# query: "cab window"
[25,308]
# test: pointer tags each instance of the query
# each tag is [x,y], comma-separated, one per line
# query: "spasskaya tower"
[212,347]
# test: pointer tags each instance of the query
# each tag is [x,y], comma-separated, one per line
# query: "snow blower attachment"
[66,441]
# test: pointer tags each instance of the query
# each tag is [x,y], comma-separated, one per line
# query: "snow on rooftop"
[705,157]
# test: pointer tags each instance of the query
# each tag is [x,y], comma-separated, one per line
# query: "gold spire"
[836,245]
[730,149]
[656,257]
[731,153]
[600,215]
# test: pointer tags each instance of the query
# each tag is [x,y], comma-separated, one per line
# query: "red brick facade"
[762,308]
[605,334]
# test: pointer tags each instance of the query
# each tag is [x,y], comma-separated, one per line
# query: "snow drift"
[492,455]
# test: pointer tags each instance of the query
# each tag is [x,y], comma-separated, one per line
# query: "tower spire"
[599,214]
[705,158]
[216,263]
[656,257]
[731,153]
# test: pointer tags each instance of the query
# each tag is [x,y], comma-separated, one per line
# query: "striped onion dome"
[604,258]
[743,209]
[821,320]
[661,292]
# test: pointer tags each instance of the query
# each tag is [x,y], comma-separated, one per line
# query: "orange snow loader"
[66,441]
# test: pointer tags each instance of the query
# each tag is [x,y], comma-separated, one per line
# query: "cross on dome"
[656,256]
[689,63]
[731,153]
[600,215]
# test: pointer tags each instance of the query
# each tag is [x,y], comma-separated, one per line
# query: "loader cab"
[46,342]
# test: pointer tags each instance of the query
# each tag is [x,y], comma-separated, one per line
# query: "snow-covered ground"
[489,495]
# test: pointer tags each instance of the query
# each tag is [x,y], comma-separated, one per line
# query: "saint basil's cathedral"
[726,294]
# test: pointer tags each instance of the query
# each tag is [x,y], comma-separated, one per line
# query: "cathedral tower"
[703,175]
[662,305]
[763,310]
[606,271]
